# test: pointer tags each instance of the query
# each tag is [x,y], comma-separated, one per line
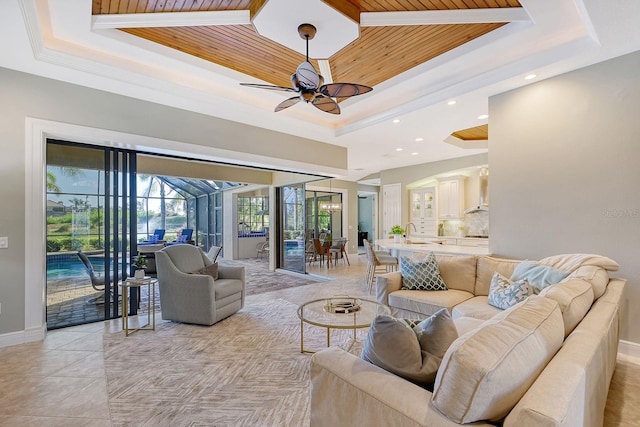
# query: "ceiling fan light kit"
[309,85]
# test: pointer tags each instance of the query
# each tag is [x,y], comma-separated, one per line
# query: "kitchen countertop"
[426,245]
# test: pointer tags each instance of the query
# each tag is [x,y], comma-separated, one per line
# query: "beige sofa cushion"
[486,371]
[574,298]
[458,271]
[571,262]
[466,324]
[476,307]
[428,302]
[486,267]
[597,276]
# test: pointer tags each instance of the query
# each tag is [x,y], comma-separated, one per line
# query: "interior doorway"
[367,218]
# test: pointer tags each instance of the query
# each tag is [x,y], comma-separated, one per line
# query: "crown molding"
[439,17]
[171,19]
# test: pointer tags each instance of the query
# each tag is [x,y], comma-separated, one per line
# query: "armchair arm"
[387,283]
[226,272]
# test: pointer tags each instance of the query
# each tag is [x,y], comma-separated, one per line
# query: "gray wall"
[26,95]
[565,170]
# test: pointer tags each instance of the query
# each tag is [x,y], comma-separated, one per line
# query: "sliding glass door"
[292,228]
[90,218]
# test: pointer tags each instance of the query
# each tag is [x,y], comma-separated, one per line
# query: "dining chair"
[339,250]
[320,251]
[376,262]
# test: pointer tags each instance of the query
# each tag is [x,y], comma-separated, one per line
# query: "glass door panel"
[88,231]
[292,228]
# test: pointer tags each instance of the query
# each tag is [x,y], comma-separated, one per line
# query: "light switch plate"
[4,242]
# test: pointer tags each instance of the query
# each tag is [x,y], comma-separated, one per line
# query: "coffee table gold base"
[303,350]
[318,313]
[127,285]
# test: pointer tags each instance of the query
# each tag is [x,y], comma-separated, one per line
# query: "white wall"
[565,170]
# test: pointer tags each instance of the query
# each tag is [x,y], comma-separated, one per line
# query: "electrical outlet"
[4,242]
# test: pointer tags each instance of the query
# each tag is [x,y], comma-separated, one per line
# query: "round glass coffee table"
[339,312]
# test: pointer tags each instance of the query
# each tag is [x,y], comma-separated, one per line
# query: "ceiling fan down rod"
[307,32]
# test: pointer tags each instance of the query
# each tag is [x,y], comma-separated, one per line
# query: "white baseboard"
[629,348]
[22,337]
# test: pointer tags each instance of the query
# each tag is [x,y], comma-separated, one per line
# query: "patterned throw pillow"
[182,239]
[503,293]
[421,275]
[153,238]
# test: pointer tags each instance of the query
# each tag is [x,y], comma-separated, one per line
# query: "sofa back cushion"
[574,297]
[458,271]
[485,372]
[486,267]
[597,276]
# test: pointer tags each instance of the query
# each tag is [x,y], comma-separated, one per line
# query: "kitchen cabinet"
[422,211]
[451,198]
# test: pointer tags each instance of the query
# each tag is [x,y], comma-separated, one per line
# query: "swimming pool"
[68,265]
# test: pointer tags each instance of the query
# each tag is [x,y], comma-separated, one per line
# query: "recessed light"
[483,116]
[414,154]
[399,149]
[396,120]
[530,76]
[452,102]
[419,139]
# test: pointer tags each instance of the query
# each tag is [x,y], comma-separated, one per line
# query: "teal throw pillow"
[538,276]
[421,275]
[503,293]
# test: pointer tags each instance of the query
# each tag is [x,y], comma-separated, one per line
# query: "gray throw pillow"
[211,270]
[421,275]
[436,333]
[395,347]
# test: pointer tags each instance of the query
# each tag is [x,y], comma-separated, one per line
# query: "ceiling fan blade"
[269,87]
[287,103]
[326,104]
[344,90]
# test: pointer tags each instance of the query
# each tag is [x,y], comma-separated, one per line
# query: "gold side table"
[126,286]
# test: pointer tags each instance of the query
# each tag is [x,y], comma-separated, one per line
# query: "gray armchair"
[196,298]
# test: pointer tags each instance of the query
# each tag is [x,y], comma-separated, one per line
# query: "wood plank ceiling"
[379,54]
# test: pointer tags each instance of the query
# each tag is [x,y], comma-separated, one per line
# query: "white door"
[391,207]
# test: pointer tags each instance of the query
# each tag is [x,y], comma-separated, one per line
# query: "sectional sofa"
[546,361]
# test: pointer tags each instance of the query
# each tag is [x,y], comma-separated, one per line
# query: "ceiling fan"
[309,85]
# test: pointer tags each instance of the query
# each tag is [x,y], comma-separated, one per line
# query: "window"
[253,214]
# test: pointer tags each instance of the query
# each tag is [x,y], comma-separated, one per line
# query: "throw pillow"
[436,333]
[539,276]
[503,293]
[421,275]
[181,239]
[153,238]
[411,353]
[211,270]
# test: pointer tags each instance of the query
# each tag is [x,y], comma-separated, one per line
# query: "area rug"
[246,370]
[260,280]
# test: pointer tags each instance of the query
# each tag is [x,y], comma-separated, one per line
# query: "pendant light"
[330,206]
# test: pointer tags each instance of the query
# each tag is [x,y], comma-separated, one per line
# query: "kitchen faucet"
[407,230]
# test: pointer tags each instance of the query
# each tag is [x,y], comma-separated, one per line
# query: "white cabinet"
[451,198]
[422,211]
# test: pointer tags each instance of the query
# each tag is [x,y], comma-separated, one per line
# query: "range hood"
[483,199]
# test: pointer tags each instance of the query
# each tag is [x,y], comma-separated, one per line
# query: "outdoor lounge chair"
[96,282]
